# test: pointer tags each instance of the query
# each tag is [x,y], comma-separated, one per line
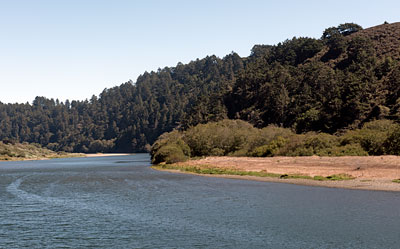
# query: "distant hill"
[385,39]
[346,78]
[339,81]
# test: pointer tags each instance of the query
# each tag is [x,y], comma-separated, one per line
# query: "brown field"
[372,172]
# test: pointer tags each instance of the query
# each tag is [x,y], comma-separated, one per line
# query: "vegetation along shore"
[340,81]
[11,151]
[362,158]
[353,172]
[335,96]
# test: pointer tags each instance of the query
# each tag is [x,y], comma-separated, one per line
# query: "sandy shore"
[107,154]
[370,173]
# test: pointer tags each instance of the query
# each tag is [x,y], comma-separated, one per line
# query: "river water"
[120,202]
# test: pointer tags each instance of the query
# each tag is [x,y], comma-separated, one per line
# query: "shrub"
[371,137]
[270,149]
[318,142]
[238,138]
[347,150]
[169,148]
[259,139]
[392,142]
[171,153]
[218,138]
[308,144]
[301,151]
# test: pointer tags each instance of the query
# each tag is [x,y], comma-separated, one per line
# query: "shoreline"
[107,154]
[69,155]
[368,173]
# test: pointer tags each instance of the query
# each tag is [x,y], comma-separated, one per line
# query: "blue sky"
[73,49]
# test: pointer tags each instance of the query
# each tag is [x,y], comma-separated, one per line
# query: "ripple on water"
[104,203]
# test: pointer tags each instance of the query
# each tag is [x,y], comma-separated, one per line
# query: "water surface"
[119,202]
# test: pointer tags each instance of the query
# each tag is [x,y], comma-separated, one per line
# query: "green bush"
[169,148]
[170,153]
[308,144]
[300,151]
[371,137]
[346,150]
[218,138]
[319,142]
[392,143]
[263,137]
[271,149]
[238,138]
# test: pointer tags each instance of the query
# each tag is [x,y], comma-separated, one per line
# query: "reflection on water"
[119,202]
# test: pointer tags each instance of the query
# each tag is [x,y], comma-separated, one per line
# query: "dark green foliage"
[342,30]
[131,116]
[334,38]
[342,86]
[349,28]
[295,51]
[347,78]
[336,46]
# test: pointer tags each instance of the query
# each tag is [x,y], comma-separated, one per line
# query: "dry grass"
[25,151]
[368,167]
[385,37]
[367,173]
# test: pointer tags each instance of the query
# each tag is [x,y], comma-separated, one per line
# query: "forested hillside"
[340,81]
[346,78]
[125,118]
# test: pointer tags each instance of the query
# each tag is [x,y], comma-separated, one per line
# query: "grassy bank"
[209,170]
[25,151]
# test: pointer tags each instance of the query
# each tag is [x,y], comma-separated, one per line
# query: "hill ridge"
[305,84]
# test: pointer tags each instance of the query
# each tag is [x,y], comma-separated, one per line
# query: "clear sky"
[72,49]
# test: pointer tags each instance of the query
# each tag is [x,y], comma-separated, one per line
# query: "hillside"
[385,39]
[340,81]
[347,78]
[17,151]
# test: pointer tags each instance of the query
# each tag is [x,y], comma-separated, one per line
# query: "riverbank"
[106,154]
[352,172]
[25,151]
[42,157]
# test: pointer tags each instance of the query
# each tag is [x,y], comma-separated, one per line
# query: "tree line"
[125,118]
[337,82]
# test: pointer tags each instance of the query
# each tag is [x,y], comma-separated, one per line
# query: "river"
[120,202]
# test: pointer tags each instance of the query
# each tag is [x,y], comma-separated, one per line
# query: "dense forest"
[345,79]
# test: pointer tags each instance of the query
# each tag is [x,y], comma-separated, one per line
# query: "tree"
[343,29]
